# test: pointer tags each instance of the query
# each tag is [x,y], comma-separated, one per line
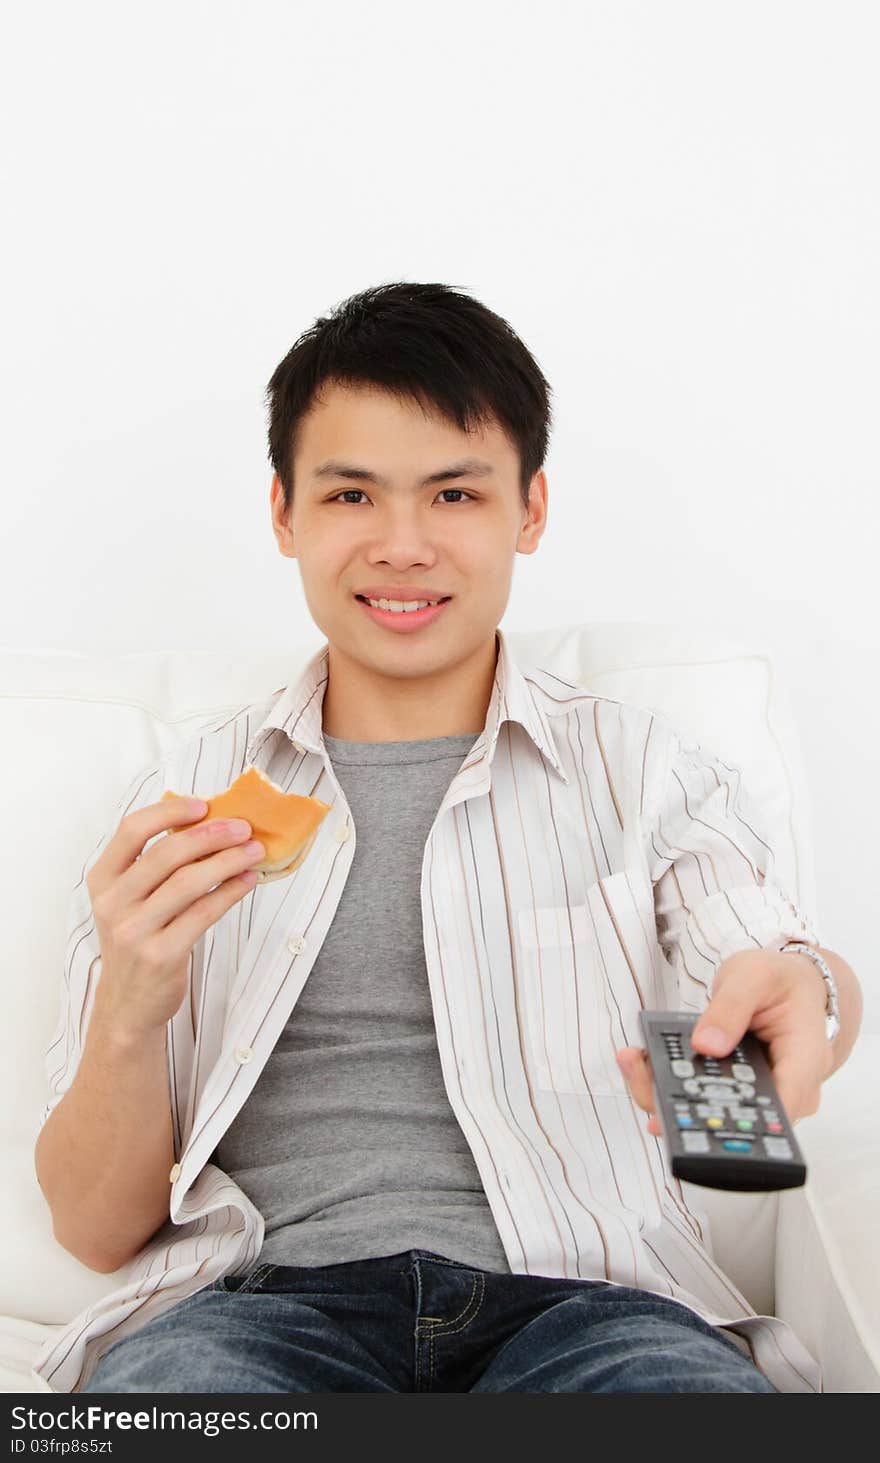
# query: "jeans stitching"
[458,1323]
[462,1318]
[257,1278]
[443,1260]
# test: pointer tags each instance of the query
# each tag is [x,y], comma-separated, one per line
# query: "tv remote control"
[723,1123]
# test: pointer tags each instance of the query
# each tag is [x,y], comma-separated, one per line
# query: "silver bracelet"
[832,1014]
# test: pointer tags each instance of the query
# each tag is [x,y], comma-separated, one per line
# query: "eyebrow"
[467,467]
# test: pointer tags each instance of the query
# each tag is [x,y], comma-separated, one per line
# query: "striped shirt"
[586,861]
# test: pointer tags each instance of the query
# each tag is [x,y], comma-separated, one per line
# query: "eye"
[347,491]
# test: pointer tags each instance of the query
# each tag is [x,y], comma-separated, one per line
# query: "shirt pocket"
[573,1016]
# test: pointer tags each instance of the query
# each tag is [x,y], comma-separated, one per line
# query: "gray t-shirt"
[347,1144]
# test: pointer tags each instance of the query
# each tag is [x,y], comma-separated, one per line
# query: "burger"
[284,822]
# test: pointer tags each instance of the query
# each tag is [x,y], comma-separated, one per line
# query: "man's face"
[456,537]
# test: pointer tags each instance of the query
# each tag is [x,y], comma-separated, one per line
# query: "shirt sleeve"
[713,870]
[82,962]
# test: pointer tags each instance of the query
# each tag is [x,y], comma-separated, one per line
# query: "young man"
[398,1079]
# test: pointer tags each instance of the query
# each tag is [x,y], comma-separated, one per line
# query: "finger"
[177,871]
[735,999]
[134,831]
[636,1067]
[795,1082]
[634,1064]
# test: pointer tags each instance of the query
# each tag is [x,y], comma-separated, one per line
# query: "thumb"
[723,1023]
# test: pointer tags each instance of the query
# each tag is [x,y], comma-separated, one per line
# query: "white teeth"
[401,605]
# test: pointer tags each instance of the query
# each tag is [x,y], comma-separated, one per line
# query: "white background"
[676,205]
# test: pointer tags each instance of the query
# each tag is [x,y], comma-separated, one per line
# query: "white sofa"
[76,729]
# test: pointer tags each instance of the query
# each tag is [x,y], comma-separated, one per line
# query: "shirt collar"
[298,711]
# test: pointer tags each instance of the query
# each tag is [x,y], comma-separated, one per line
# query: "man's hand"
[775,994]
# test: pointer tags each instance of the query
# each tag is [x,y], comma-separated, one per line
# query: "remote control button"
[775,1128]
[744,1125]
[777,1147]
[743,1072]
[714,1122]
[683,1069]
[715,1090]
[695,1142]
[690,1084]
[764,1101]
[745,1090]
[709,1110]
[684,1120]
[738,1145]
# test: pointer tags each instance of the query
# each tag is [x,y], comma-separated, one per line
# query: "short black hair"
[427,343]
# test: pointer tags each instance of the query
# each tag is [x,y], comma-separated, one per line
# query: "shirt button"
[343,832]
[174,1174]
[295,944]
[243,1053]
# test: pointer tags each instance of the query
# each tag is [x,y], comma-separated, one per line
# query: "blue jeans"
[418,1322]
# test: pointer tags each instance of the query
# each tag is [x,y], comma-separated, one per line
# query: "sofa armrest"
[827,1280]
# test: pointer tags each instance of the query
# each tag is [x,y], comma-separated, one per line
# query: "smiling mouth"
[363,599]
